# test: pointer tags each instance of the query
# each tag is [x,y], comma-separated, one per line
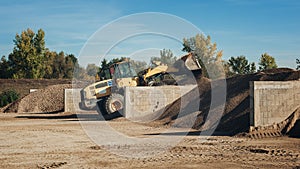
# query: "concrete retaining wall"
[273,101]
[146,103]
[72,99]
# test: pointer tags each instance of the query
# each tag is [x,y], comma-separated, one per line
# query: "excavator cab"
[110,80]
[123,74]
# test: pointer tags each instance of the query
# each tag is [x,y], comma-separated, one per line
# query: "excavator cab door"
[124,74]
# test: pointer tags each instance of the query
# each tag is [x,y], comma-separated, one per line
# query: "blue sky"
[239,27]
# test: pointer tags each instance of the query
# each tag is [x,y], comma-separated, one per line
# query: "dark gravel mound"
[235,118]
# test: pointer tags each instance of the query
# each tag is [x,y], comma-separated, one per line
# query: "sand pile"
[49,100]
[235,118]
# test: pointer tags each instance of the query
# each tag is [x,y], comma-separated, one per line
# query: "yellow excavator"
[107,94]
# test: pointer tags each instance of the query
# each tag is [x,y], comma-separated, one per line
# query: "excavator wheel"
[114,103]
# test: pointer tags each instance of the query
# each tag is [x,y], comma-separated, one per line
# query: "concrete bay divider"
[140,102]
[72,99]
[147,103]
[273,101]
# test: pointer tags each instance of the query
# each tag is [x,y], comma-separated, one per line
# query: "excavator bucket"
[156,70]
[185,63]
[191,62]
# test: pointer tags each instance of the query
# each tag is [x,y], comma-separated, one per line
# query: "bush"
[8,96]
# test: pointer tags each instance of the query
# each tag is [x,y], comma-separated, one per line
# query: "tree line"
[241,65]
[211,58]
[31,59]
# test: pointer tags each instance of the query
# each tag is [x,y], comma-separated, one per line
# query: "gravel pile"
[47,100]
[236,116]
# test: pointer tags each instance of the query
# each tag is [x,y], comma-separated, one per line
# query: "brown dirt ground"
[38,140]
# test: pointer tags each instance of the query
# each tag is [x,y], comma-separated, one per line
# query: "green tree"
[298,64]
[27,58]
[240,65]
[49,57]
[92,69]
[31,59]
[8,96]
[105,64]
[167,57]
[69,66]
[5,69]
[117,60]
[39,43]
[227,69]
[59,65]
[80,73]
[267,62]
[155,59]
[206,52]
[252,67]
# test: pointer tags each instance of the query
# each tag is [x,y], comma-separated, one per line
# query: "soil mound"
[47,100]
[235,118]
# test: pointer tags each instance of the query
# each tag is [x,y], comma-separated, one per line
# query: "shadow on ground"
[71,117]
[191,133]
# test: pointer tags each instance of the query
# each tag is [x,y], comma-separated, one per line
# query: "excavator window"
[119,70]
[124,70]
[105,74]
[100,85]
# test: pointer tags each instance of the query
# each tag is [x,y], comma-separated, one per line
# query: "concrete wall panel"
[273,101]
[72,99]
[147,103]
